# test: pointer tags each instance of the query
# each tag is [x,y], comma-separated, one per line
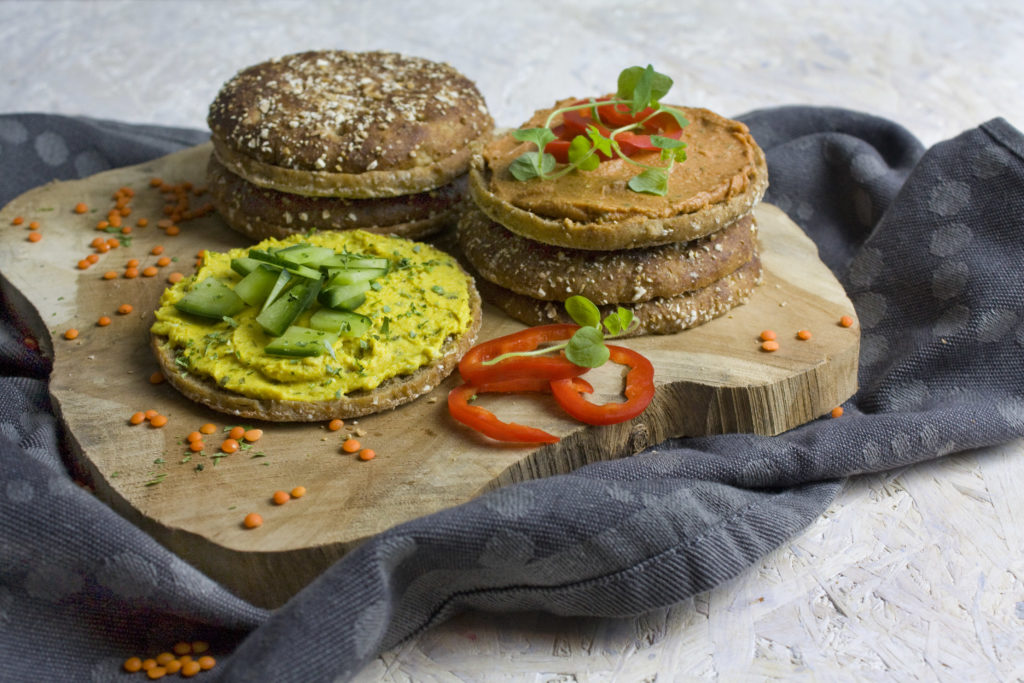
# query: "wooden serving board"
[712,379]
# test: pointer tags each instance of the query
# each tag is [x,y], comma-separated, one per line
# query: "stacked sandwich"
[678,248]
[334,140]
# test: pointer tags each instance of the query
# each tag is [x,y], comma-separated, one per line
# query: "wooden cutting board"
[712,379]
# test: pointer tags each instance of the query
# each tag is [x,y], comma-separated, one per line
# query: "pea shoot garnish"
[619,126]
[586,347]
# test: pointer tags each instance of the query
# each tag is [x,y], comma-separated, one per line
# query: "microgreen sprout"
[640,89]
[586,347]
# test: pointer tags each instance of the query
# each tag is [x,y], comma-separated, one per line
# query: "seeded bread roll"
[260,213]
[657,316]
[345,124]
[543,271]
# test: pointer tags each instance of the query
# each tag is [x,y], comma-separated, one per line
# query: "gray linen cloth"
[928,244]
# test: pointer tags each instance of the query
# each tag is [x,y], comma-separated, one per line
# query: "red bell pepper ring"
[485,422]
[548,367]
[639,391]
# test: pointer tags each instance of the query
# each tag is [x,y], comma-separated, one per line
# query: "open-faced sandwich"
[622,199]
[335,140]
[316,326]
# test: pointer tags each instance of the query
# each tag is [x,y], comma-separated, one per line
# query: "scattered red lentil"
[156,378]
[251,435]
[18,220]
[149,271]
[229,445]
[367,454]
[71,333]
[142,222]
[846,321]
[770,345]
[190,668]
[251,521]
[193,437]
[103,321]
[182,648]
[206,662]
[175,277]
[163,658]
[92,258]
[280,497]
[125,309]
[34,225]
[34,237]
[81,207]
[803,335]
[137,418]
[298,492]
[132,665]
[837,411]
[768,335]
[157,250]
[350,446]
[236,432]
[335,424]
[158,420]
[83,264]
[163,261]
[208,428]
[150,414]
[110,275]
[200,646]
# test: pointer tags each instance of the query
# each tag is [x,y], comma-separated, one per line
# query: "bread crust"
[259,213]
[352,124]
[665,315]
[550,273]
[390,394]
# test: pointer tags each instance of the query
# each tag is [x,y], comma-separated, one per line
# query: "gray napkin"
[928,245]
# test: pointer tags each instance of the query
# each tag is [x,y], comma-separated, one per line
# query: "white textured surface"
[912,575]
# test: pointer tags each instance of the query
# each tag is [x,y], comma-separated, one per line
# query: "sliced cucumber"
[210,298]
[355,261]
[275,318]
[342,323]
[344,297]
[297,341]
[243,265]
[347,276]
[255,287]
[284,278]
[304,254]
[273,259]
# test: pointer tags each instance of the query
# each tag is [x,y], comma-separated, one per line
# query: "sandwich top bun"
[724,177]
[344,124]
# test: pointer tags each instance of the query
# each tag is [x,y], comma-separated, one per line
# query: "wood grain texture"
[712,379]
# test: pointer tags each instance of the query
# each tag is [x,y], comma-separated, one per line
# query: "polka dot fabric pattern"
[928,244]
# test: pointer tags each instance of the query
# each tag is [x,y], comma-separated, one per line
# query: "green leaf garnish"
[651,181]
[618,322]
[586,348]
[583,311]
[580,154]
[643,87]
[531,165]
[538,136]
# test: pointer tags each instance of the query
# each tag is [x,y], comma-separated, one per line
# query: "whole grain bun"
[348,124]
[387,396]
[665,315]
[259,213]
[724,177]
[543,271]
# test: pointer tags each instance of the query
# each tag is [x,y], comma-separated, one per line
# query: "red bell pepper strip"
[485,422]
[639,391]
[549,367]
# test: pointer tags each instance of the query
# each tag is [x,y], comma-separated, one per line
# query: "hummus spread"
[721,163]
[421,302]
